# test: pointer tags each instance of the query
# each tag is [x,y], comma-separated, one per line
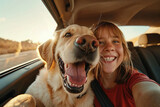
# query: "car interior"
[145,55]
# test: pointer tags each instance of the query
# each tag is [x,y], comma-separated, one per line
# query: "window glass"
[24,24]
[132,33]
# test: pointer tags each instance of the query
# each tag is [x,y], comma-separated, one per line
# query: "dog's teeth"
[68,80]
[75,85]
[71,84]
[79,86]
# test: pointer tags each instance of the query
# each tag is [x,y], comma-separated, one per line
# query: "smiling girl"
[124,86]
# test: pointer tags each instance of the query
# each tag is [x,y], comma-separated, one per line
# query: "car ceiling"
[89,12]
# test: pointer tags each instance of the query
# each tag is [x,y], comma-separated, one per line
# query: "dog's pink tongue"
[76,73]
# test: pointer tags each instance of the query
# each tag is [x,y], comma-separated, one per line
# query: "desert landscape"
[9,46]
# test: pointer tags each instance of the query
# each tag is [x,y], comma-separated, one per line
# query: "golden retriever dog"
[70,58]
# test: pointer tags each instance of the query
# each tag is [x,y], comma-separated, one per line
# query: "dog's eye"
[68,35]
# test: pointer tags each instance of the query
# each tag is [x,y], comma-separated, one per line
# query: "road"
[10,60]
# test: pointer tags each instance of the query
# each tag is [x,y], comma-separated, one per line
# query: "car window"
[24,24]
[131,33]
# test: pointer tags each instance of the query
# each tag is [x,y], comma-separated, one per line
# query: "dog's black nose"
[87,43]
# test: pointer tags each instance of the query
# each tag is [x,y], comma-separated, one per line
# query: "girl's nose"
[109,47]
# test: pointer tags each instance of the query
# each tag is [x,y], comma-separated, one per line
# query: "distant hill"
[9,46]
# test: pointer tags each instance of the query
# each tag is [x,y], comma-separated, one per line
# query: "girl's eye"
[116,41]
[68,34]
[101,42]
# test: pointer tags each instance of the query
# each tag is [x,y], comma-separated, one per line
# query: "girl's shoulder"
[137,77]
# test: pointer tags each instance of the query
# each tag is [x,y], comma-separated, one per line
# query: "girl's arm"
[146,94]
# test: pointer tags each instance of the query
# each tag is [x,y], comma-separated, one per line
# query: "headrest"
[149,39]
[130,44]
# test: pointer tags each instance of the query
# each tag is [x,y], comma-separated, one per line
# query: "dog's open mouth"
[74,75]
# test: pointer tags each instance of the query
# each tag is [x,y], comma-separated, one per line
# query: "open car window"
[23,26]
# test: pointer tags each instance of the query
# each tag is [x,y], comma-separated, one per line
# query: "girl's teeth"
[109,58]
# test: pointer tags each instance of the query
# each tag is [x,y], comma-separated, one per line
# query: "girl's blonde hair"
[124,70]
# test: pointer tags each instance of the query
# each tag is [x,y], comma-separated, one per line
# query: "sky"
[29,19]
[25,19]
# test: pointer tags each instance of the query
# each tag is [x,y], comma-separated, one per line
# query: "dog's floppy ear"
[47,51]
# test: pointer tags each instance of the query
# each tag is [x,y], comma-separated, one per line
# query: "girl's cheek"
[101,49]
[119,46]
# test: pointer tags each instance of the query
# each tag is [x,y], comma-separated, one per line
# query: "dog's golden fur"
[49,88]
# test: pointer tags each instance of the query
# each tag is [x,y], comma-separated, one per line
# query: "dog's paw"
[23,100]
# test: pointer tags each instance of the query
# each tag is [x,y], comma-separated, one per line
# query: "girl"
[124,86]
